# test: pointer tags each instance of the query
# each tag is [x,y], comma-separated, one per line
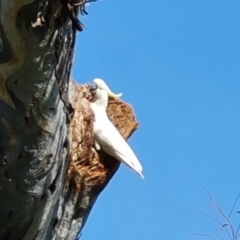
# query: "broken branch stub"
[88,167]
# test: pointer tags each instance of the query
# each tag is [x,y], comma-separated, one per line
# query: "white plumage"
[106,136]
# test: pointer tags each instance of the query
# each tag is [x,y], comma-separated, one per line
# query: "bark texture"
[50,175]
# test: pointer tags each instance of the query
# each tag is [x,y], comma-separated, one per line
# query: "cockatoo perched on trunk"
[106,136]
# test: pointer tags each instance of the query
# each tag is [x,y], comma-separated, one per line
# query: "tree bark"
[50,175]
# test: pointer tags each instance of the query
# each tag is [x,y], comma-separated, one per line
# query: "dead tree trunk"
[50,176]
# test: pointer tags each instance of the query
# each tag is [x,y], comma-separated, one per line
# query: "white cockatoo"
[106,136]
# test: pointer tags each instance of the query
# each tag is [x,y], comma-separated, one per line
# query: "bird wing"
[113,143]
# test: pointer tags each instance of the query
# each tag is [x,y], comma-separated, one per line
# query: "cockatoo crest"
[101,93]
[103,86]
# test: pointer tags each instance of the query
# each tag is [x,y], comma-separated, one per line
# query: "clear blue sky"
[178,64]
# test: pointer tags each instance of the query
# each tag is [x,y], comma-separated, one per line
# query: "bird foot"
[3,161]
[97,146]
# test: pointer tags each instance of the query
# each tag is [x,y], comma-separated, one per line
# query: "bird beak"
[93,88]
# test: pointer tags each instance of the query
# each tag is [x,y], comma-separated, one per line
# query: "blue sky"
[178,64]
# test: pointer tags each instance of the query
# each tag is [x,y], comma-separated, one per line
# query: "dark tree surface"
[50,176]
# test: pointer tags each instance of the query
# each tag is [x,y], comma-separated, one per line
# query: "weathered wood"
[50,176]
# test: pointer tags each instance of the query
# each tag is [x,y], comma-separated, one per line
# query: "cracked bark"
[50,176]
